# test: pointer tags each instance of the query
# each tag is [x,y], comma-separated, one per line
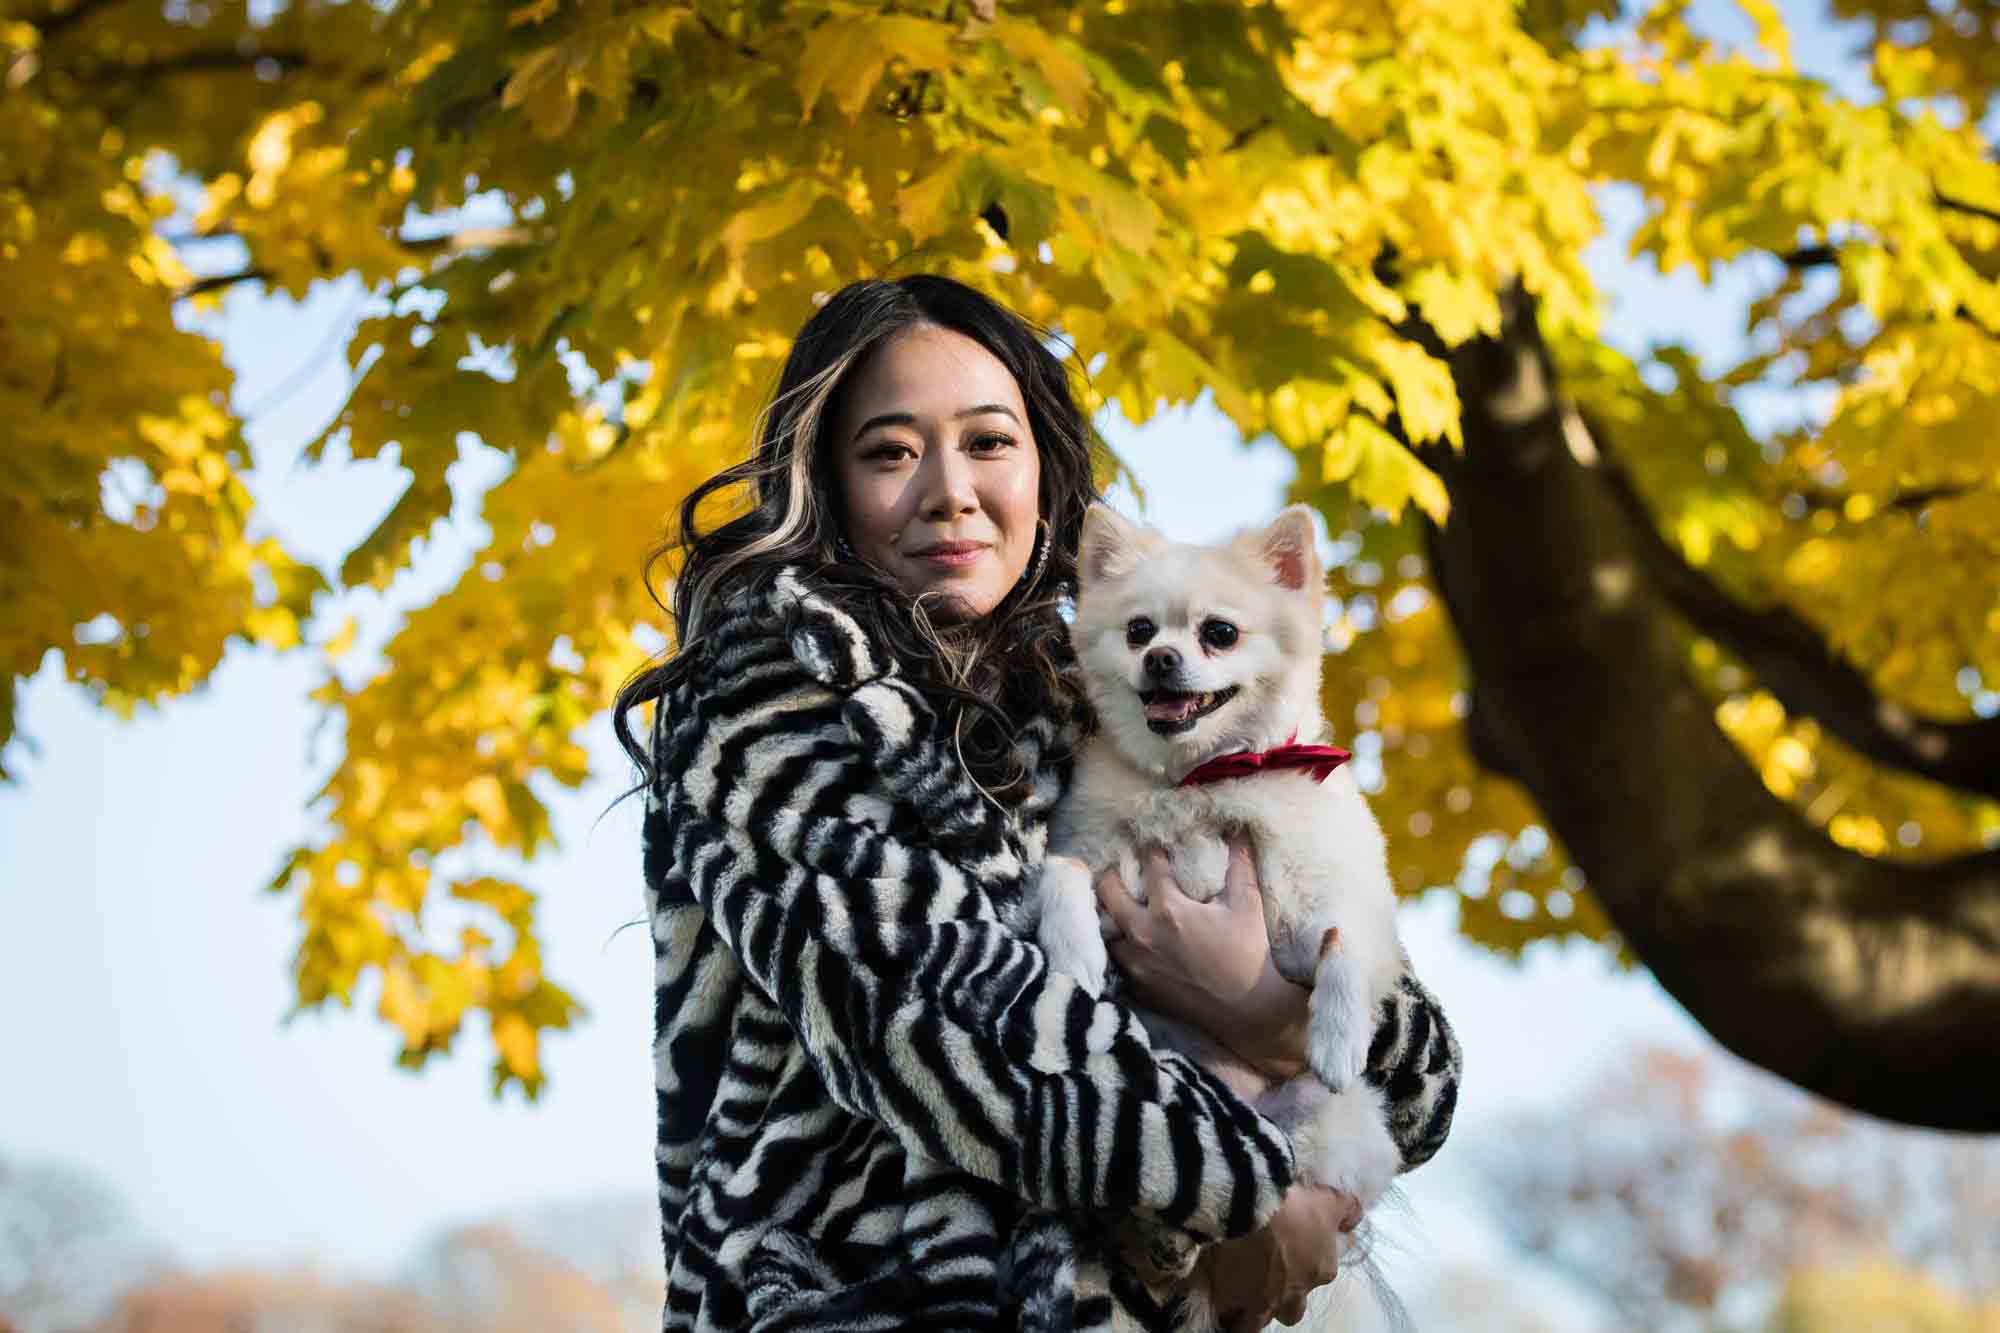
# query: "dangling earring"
[1043,540]
[843,550]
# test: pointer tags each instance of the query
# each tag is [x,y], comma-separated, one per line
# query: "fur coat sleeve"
[1415,1061]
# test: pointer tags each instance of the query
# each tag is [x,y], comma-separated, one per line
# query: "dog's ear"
[1290,547]
[1110,545]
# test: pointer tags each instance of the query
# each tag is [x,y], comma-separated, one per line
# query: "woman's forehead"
[933,372]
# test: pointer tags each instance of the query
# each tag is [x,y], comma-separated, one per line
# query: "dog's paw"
[1077,954]
[1069,932]
[1336,1047]
[1360,1164]
[1337,1032]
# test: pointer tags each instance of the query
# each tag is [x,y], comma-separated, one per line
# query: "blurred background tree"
[68,1248]
[72,1260]
[1692,1194]
[476,1280]
[1621,660]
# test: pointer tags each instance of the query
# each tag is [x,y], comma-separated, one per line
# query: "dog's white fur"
[1319,854]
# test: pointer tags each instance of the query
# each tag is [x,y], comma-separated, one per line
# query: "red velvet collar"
[1320,759]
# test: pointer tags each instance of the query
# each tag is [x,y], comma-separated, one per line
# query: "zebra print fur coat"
[877,1106]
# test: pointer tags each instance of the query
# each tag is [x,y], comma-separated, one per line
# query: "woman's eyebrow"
[886,419]
[910,418]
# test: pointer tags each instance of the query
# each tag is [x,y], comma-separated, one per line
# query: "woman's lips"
[951,555]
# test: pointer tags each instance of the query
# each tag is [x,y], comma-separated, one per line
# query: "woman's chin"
[956,596]
[948,605]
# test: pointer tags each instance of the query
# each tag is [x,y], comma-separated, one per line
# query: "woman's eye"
[888,452]
[1139,631]
[1218,634]
[991,444]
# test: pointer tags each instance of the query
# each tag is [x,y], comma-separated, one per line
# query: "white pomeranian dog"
[1202,664]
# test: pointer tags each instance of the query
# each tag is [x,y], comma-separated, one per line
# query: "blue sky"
[144,976]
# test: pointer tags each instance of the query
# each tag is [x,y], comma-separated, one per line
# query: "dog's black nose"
[1162,662]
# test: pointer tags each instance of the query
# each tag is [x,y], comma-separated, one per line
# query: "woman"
[877,1106]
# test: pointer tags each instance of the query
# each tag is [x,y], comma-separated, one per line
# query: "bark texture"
[1873,983]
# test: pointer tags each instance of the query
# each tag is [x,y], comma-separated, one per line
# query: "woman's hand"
[1269,1273]
[1209,964]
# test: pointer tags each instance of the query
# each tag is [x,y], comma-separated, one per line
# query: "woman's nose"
[947,485]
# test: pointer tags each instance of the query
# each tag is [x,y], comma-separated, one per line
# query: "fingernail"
[1352,1218]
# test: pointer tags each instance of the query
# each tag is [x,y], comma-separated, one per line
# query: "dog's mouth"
[1170,712]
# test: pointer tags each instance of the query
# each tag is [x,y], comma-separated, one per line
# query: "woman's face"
[938,472]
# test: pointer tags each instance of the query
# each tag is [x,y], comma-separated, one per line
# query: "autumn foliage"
[591,226]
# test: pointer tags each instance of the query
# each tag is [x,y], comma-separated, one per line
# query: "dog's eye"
[1139,631]
[1218,634]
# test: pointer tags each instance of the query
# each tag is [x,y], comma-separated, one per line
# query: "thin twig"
[1902,501]
[1945,201]
[709,26]
[220,281]
[1246,134]
[195,62]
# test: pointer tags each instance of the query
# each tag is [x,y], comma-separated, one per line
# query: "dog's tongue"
[1172,707]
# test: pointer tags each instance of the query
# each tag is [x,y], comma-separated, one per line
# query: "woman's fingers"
[1350,1219]
[1157,874]
[1117,903]
[1240,879]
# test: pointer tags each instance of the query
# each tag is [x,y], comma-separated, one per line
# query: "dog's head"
[1189,652]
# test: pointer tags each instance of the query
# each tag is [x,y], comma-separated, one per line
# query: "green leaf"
[845,57]
[1384,474]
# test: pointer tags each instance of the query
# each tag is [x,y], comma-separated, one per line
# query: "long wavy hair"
[987,675]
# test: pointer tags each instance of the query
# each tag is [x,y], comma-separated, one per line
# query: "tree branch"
[1821,256]
[1950,204]
[708,25]
[1828,256]
[59,380]
[1874,983]
[190,62]
[1794,662]
[1247,133]
[1905,502]
[217,282]
[450,242]
[56,24]
[474,238]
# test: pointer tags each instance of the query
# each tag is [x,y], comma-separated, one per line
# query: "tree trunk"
[1873,983]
